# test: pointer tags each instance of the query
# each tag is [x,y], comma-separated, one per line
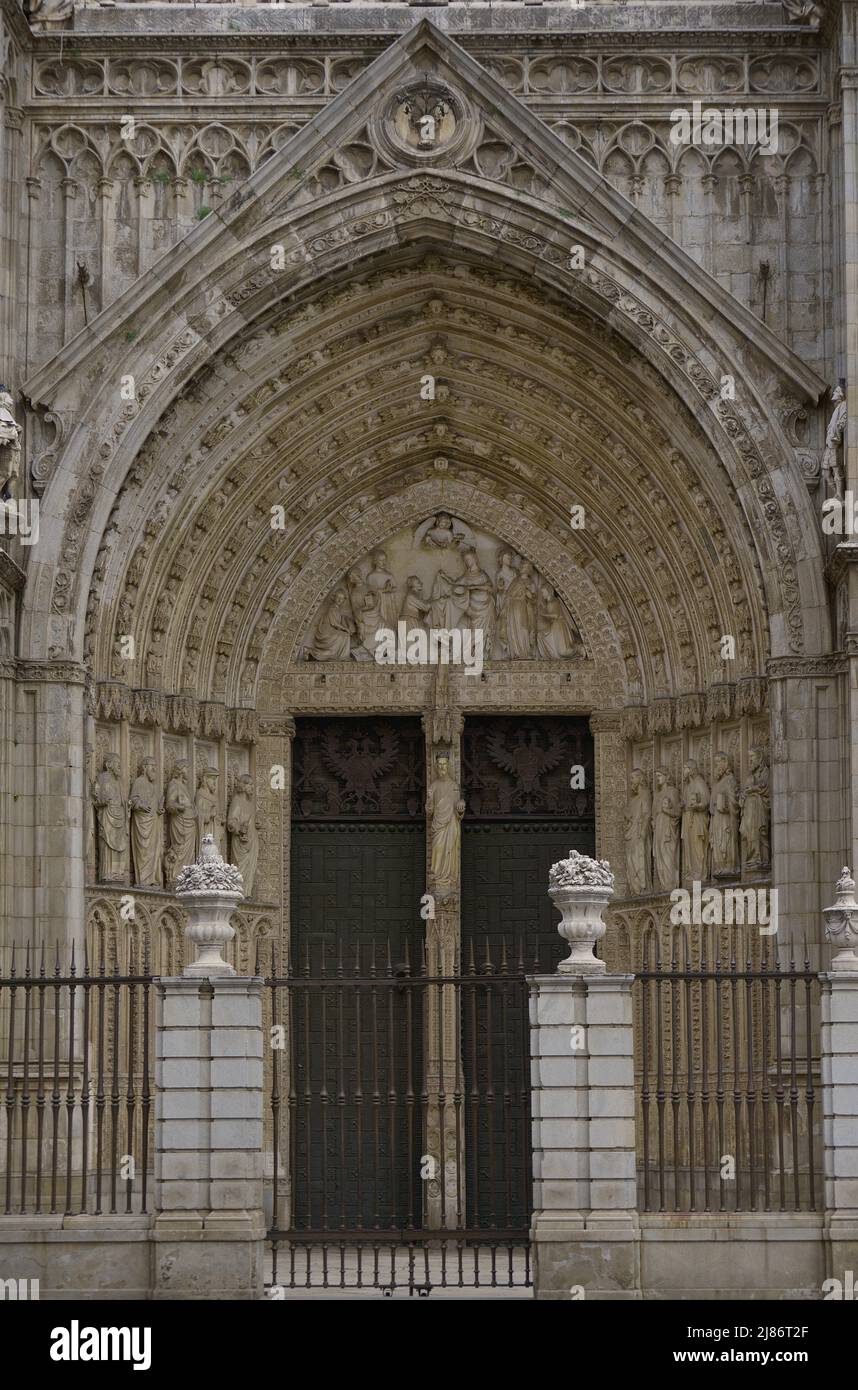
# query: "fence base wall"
[672,1257]
[107,1257]
[580,1258]
[742,1255]
[209,1256]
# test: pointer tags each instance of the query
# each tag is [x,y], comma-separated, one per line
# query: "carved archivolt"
[345,401]
[584,440]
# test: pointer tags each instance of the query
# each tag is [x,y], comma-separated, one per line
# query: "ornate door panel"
[521,816]
[358,873]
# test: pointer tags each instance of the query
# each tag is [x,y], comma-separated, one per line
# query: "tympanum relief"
[444,576]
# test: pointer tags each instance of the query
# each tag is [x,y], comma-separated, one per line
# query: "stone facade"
[257,325]
[230,269]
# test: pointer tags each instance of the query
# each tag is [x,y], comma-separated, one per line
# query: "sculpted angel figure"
[441,535]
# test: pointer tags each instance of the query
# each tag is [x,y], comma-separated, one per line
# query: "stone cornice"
[670,714]
[230,27]
[114,702]
[53,672]
[785,667]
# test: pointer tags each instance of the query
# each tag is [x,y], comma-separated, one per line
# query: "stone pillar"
[839,1051]
[809,792]
[610,759]
[209,1230]
[274,750]
[444,1142]
[47,867]
[585,1228]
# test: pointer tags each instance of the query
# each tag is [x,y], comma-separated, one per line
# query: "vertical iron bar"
[793,1088]
[25,1080]
[690,1094]
[811,1169]
[751,1089]
[40,1085]
[645,1101]
[70,1095]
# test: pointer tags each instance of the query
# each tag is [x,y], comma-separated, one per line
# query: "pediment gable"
[426,124]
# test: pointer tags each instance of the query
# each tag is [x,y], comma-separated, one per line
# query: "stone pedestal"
[585,1231]
[209,1231]
[839,1047]
[585,1227]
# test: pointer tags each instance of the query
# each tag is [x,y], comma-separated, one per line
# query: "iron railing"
[727,1077]
[76,1058]
[403,1102]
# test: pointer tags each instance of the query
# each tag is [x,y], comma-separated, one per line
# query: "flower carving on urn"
[209,891]
[580,888]
[841,923]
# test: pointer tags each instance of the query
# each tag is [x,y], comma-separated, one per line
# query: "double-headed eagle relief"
[442,576]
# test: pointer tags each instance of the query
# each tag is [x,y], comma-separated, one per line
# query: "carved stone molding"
[178,713]
[786,667]
[606,722]
[278,725]
[692,711]
[55,672]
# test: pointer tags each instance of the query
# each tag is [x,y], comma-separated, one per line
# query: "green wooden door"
[521,816]
[358,874]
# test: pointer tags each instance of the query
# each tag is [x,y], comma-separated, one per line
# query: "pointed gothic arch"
[187,314]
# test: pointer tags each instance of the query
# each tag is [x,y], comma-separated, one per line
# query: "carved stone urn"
[841,924]
[580,889]
[209,891]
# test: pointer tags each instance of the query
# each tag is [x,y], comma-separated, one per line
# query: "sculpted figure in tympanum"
[446,576]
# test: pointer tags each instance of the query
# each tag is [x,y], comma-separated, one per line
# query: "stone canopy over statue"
[443,575]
